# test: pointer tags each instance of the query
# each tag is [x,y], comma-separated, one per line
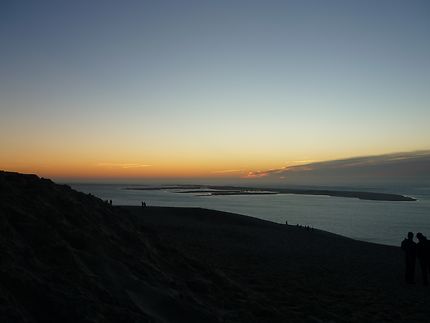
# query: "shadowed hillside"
[70,257]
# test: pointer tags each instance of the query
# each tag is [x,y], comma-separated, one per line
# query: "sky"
[209,89]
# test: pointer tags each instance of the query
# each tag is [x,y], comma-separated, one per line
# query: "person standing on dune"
[410,248]
[423,254]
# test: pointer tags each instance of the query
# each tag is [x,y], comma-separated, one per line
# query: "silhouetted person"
[110,202]
[410,248]
[423,254]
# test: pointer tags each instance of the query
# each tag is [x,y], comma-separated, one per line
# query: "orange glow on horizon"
[100,170]
[156,165]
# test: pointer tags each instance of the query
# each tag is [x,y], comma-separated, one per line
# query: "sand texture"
[69,257]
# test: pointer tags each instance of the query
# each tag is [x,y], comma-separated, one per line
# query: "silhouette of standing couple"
[420,250]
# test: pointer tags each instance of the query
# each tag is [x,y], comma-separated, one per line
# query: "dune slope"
[69,257]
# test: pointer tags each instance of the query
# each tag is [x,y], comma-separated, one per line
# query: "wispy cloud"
[297,165]
[301,162]
[263,173]
[123,165]
[396,165]
[387,160]
[224,171]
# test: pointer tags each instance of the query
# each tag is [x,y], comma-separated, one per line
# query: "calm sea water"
[373,221]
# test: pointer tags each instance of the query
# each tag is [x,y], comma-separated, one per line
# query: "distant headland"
[212,190]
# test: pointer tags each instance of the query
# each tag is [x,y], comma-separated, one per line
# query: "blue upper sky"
[293,80]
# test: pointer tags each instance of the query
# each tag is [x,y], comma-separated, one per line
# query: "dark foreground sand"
[69,257]
[286,273]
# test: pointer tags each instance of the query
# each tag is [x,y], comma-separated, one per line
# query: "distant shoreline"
[233,190]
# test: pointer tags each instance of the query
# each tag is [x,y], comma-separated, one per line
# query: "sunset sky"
[201,89]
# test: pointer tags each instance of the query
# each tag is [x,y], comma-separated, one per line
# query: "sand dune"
[70,257]
[290,273]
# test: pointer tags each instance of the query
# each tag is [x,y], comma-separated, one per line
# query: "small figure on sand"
[143,204]
[410,248]
[423,254]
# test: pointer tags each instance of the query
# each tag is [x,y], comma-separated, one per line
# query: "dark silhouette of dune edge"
[69,257]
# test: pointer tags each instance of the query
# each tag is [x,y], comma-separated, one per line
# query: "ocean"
[373,221]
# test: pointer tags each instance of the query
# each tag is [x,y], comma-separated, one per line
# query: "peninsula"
[234,190]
